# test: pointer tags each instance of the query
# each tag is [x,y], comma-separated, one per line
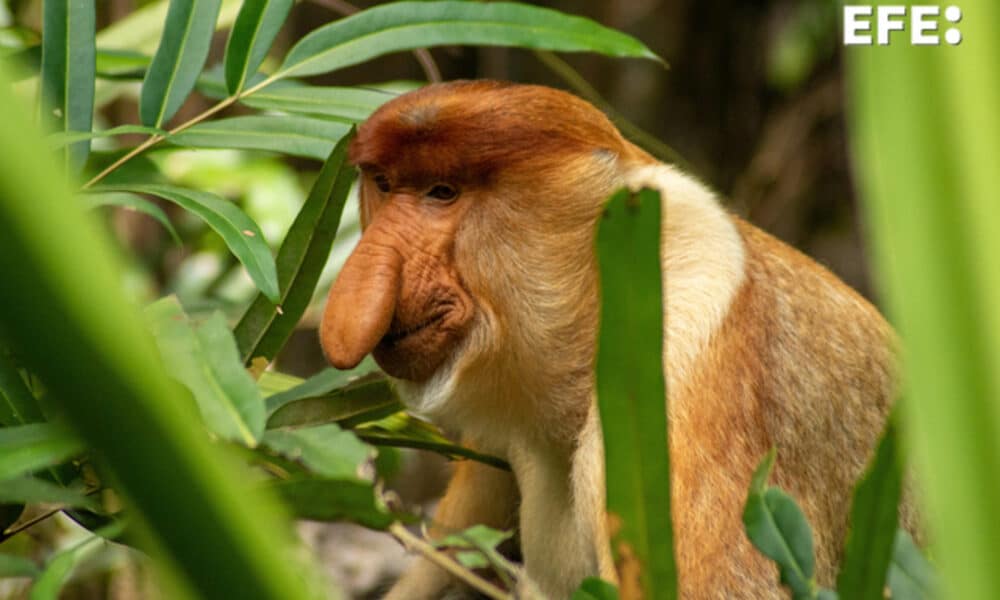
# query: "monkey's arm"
[477,494]
[563,520]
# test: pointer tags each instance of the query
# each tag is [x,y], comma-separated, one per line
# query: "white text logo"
[923,24]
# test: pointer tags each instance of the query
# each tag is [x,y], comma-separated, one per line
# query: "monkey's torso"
[475,285]
[813,377]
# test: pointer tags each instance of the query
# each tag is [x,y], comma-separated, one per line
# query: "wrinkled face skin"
[399,295]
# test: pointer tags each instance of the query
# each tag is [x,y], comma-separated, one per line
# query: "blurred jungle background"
[752,102]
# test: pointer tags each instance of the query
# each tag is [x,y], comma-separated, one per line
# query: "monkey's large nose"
[362,301]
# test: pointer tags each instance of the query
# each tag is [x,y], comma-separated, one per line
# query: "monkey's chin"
[417,355]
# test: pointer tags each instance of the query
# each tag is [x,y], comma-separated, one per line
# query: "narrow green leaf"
[402,430]
[68,70]
[132,202]
[593,588]
[298,136]
[253,33]
[911,576]
[630,387]
[28,448]
[240,233]
[138,170]
[17,404]
[212,82]
[777,527]
[326,450]
[15,39]
[477,536]
[472,559]
[121,64]
[265,328]
[409,25]
[874,520]
[333,500]
[347,103]
[204,359]
[327,381]
[69,137]
[367,399]
[32,490]
[478,546]
[275,382]
[925,135]
[67,318]
[17,566]
[183,49]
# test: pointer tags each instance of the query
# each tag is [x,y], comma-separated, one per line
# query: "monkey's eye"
[443,191]
[382,183]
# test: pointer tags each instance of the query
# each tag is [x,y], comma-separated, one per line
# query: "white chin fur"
[429,398]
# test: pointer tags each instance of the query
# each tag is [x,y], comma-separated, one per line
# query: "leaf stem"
[414,543]
[379,439]
[581,86]
[155,139]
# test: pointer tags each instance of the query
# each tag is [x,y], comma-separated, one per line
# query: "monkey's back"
[801,363]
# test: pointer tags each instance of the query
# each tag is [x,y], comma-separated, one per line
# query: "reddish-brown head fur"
[466,131]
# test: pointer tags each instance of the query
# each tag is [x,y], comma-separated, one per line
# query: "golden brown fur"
[763,346]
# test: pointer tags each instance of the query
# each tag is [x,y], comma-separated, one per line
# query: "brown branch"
[17,528]
[155,139]
[416,544]
[581,86]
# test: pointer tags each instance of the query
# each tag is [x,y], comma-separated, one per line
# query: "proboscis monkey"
[475,285]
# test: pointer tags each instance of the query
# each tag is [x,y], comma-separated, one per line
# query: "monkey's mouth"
[398,332]
[414,349]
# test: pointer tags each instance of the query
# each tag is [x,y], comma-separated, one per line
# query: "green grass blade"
[68,71]
[874,521]
[926,137]
[241,234]
[253,33]
[298,136]
[268,322]
[183,49]
[66,315]
[409,25]
[631,389]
